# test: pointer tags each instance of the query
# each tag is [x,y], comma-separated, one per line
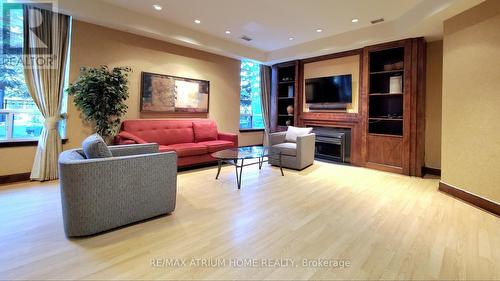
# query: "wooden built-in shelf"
[387,71]
[386,118]
[386,94]
[284,94]
[385,135]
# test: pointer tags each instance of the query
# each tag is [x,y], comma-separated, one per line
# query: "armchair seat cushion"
[286,148]
[217,145]
[186,149]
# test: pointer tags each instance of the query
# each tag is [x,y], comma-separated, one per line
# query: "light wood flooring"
[386,226]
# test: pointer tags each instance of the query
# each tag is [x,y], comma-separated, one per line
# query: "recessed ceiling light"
[197,21]
[354,20]
[319,30]
[157,7]
[291,38]
[228,32]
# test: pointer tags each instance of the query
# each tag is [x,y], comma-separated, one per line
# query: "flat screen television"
[332,89]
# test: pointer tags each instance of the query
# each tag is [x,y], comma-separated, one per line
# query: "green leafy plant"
[100,94]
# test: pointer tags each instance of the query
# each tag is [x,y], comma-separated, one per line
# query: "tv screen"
[333,89]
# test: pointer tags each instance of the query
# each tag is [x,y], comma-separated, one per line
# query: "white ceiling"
[271,23]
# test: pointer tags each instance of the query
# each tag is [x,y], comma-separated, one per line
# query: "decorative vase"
[289,109]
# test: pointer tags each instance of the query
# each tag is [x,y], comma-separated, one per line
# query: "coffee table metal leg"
[236,169]
[281,168]
[238,176]
[261,160]
[218,170]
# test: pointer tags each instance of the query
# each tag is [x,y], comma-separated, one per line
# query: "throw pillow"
[95,147]
[205,131]
[293,132]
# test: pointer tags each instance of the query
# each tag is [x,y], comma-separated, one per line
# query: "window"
[250,103]
[20,119]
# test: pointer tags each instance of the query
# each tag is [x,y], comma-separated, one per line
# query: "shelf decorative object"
[395,84]
[398,65]
[289,109]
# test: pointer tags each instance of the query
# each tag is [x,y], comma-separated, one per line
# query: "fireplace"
[333,144]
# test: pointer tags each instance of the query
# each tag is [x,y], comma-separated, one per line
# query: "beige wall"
[338,66]
[433,94]
[94,45]
[16,160]
[471,101]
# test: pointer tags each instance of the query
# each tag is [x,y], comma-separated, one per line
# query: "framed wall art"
[166,93]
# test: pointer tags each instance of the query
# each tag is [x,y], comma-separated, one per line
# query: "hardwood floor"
[386,226]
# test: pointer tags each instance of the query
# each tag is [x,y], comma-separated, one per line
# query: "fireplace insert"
[333,144]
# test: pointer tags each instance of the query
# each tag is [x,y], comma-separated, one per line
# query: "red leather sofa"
[192,140]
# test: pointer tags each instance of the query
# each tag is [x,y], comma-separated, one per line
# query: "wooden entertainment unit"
[387,126]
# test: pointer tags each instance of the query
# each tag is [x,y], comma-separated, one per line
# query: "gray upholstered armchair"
[104,193]
[297,152]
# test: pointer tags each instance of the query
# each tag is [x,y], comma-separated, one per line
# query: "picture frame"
[173,94]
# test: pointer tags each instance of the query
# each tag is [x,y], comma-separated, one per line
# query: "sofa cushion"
[95,147]
[293,132]
[163,132]
[205,131]
[165,148]
[186,149]
[286,148]
[217,145]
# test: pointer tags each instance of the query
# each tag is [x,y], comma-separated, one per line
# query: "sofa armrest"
[124,141]
[229,137]
[306,148]
[133,149]
[124,135]
[277,138]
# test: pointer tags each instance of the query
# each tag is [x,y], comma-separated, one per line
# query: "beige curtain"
[46,39]
[265,92]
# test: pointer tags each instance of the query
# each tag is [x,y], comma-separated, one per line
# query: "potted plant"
[100,94]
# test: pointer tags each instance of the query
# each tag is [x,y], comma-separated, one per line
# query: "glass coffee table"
[237,156]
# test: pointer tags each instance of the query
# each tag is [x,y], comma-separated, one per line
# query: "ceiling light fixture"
[319,30]
[354,20]
[291,38]
[228,32]
[157,7]
[197,21]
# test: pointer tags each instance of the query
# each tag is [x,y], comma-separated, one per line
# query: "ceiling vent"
[377,20]
[246,38]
